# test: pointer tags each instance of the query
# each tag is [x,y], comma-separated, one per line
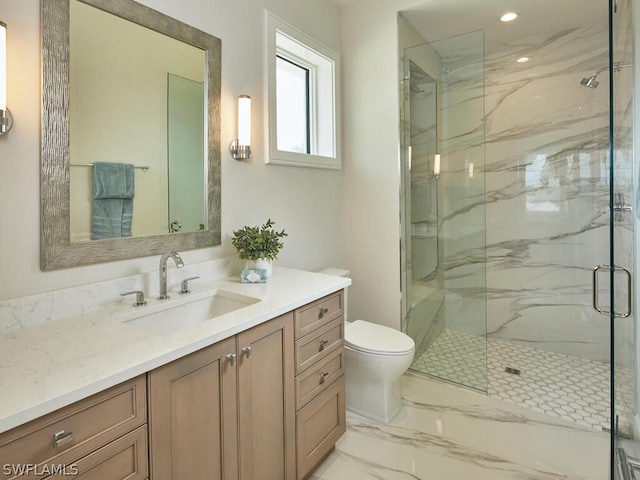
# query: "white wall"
[370,120]
[307,202]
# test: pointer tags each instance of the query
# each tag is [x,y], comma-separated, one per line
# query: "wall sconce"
[241,146]
[6,119]
[436,165]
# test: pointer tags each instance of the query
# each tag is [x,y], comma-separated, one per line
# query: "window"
[303,99]
[292,106]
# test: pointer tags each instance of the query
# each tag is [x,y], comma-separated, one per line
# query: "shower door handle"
[595,290]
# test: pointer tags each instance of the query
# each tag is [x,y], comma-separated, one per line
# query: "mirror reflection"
[137,129]
[132,89]
[423,138]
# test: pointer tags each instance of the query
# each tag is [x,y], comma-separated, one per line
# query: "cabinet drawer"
[319,377]
[125,458]
[79,428]
[314,347]
[318,313]
[319,425]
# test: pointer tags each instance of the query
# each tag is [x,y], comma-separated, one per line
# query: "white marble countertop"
[47,367]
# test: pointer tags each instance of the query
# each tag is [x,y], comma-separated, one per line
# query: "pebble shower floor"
[565,387]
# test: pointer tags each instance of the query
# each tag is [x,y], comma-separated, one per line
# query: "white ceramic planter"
[265,263]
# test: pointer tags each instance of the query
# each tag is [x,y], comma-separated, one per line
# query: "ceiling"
[438,19]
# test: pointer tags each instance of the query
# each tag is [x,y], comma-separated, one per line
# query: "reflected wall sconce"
[241,146]
[6,119]
[436,165]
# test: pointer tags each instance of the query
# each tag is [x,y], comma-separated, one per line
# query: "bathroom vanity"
[257,393]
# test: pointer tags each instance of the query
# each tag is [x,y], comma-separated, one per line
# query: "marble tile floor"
[445,432]
[570,388]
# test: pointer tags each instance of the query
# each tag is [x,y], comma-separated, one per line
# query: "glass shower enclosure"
[519,208]
[443,208]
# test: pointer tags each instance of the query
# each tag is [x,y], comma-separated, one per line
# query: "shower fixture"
[591,82]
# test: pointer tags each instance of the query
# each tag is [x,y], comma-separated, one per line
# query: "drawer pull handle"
[323,376]
[247,351]
[323,343]
[231,358]
[323,312]
[61,438]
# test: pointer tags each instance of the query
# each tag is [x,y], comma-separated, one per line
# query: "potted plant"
[259,244]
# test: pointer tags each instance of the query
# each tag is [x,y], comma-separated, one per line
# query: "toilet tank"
[339,272]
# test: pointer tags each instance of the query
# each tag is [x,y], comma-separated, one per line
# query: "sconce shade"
[3,66]
[241,147]
[244,120]
[436,164]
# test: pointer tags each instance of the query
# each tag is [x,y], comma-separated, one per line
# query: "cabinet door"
[319,426]
[266,401]
[193,416]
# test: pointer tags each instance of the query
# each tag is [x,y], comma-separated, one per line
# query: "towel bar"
[144,168]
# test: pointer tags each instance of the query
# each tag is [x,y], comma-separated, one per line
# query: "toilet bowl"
[375,358]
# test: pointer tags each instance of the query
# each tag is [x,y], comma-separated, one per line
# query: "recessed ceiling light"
[522,59]
[508,17]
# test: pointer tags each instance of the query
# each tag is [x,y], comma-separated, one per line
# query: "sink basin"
[161,320]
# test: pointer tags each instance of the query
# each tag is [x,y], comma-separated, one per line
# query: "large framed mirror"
[130,162]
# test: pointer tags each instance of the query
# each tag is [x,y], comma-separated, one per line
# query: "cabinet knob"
[323,376]
[62,437]
[323,343]
[323,312]
[247,351]
[231,358]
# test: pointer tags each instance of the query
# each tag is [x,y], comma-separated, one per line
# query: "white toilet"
[375,358]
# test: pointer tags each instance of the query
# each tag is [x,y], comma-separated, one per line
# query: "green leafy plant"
[256,242]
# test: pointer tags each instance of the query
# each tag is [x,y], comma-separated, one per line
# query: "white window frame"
[324,95]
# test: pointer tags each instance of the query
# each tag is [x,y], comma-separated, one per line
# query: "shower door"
[625,423]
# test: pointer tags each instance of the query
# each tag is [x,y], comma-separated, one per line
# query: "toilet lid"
[373,338]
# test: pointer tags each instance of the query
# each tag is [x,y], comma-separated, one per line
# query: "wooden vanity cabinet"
[227,411]
[320,389]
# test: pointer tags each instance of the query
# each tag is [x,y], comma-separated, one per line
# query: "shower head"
[590,82]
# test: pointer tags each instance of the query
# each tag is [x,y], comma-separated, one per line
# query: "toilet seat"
[377,339]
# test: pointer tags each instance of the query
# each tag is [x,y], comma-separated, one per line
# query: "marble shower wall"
[546,151]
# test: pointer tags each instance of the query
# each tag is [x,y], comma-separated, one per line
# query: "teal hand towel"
[113,180]
[113,191]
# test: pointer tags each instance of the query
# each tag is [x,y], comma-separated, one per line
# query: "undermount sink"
[162,318]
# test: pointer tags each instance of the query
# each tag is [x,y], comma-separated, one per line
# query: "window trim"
[320,122]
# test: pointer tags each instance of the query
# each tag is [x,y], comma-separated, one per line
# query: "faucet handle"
[184,286]
[139,297]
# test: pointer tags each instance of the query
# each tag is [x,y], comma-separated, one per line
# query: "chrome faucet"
[163,271]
